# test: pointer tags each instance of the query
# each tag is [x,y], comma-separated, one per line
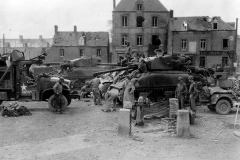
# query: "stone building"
[69,45]
[30,47]
[141,22]
[208,41]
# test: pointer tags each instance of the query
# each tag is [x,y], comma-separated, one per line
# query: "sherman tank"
[157,77]
[81,70]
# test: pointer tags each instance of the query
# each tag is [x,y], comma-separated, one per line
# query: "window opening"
[140,21]
[156,40]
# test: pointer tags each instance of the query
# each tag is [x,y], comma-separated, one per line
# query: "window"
[140,21]
[139,40]
[156,40]
[215,26]
[139,7]
[184,44]
[61,52]
[203,44]
[225,44]
[202,62]
[184,26]
[154,21]
[124,40]
[81,52]
[124,21]
[224,61]
[99,52]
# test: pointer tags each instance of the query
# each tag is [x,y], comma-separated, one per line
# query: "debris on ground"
[153,130]
[13,109]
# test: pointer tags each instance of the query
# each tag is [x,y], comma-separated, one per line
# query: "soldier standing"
[181,93]
[128,53]
[96,92]
[193,91]
[57,88]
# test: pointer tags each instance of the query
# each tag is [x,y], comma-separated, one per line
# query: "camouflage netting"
[13,109]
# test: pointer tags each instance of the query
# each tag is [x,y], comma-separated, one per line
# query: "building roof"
[35,43]
[74,38]
[203,23]
[148,5]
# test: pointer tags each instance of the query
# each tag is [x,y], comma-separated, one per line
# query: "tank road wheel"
[223,107]
[51,103]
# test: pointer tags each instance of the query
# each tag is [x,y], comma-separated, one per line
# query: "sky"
[31,18]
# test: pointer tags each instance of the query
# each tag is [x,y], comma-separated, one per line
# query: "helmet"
[180,78]
[61,79]
[190,78]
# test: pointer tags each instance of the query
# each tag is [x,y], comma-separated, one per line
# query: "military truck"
[18,83]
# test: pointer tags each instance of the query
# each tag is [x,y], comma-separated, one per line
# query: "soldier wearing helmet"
[57,89]
[181,93]
[193,92]
[85,90]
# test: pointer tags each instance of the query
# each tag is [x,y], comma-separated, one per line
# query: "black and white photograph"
[119,80]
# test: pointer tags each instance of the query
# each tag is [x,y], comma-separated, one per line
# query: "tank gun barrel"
[113,70]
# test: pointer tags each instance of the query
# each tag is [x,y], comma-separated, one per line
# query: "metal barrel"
[113,70]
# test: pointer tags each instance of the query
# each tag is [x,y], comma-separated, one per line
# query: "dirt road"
[87,133]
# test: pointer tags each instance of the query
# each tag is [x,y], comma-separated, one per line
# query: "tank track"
[155,89]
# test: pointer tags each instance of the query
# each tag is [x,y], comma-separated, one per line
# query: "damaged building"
[141,22]
[30,47]
[208,41]
[69,45]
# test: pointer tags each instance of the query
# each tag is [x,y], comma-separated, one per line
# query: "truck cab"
[18,83]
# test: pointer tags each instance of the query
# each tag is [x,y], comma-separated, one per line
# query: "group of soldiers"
[111,93]
[182,92]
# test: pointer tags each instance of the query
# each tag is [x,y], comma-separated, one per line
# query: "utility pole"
[3,44]
[235,46]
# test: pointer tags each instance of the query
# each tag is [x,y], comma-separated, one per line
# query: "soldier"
[96,92]
[85,90]
[193,91]
[181,93]
[128,53]
[57,88]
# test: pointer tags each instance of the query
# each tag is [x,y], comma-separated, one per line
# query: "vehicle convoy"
[18,83]
[161,76]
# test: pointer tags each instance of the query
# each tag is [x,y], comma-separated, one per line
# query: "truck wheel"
[51,102]
[211,108]
[223,107]
[69,101]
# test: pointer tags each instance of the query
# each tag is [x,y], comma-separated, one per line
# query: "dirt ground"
[84,132]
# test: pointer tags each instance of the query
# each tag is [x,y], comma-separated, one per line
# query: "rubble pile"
[13,109]
[156,110]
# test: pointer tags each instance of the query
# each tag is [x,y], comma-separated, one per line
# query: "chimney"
[40,37]
[75,28]
[171,13]
[114,4]
[56,28]
[20,37]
